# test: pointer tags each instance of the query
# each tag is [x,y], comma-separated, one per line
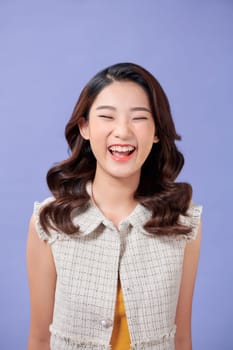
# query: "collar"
[90,217]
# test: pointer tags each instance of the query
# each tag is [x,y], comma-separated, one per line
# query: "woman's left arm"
[183,337]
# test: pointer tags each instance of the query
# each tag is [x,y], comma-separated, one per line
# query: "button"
[106,323]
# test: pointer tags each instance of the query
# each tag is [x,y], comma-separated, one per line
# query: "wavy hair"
[157,189]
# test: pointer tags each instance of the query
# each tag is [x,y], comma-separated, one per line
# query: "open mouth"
[121,151]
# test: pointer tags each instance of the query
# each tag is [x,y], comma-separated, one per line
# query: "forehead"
[125,93]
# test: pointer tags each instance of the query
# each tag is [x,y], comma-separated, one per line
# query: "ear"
[156,139]
[83,125]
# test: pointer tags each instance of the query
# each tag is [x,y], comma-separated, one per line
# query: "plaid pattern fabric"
[87,268]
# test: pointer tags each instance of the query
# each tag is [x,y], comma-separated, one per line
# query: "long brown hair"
[157,188]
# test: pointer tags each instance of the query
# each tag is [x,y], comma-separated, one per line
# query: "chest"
[89,267]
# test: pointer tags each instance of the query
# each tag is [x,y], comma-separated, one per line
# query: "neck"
[112,193]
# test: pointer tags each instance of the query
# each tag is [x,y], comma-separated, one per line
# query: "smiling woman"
[116,272]
[124,131]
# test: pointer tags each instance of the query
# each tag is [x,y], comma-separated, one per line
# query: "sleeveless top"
[88,265]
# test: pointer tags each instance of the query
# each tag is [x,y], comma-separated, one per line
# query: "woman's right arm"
[42,283]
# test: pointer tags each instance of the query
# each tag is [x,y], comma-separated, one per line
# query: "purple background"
[48,51]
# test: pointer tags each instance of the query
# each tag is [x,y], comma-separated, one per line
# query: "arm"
[42,282]
[183,337]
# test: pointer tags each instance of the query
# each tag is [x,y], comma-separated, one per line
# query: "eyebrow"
[131,109]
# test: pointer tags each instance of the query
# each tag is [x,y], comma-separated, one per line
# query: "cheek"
[146,135]
[98,140]
[97,133]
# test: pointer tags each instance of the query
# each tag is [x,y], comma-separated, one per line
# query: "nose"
[122,129]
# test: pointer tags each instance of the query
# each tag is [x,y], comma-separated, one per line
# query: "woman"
[108,261]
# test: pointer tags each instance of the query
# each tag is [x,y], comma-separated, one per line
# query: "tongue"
[121,154]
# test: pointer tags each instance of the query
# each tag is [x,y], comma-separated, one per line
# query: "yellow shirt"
[120,335]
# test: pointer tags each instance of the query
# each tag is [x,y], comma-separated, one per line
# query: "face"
[121,130]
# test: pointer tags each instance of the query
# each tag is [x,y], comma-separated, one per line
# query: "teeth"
[121,148]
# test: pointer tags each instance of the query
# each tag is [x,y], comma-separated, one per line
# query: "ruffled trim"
[192,219]
[166,337]
[59,341]
[40,231]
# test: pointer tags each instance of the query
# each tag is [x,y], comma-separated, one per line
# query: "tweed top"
[88,265]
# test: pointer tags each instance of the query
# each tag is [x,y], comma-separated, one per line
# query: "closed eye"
[140,118]
[105,116]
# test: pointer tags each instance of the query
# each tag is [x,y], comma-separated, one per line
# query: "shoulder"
[192,218]
[38,253]
[35,221]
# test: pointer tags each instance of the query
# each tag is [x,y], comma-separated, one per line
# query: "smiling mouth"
[121,153]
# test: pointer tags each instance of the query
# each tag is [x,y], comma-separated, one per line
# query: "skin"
[42,282]
[126,120]
[183,337]
[119,115]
